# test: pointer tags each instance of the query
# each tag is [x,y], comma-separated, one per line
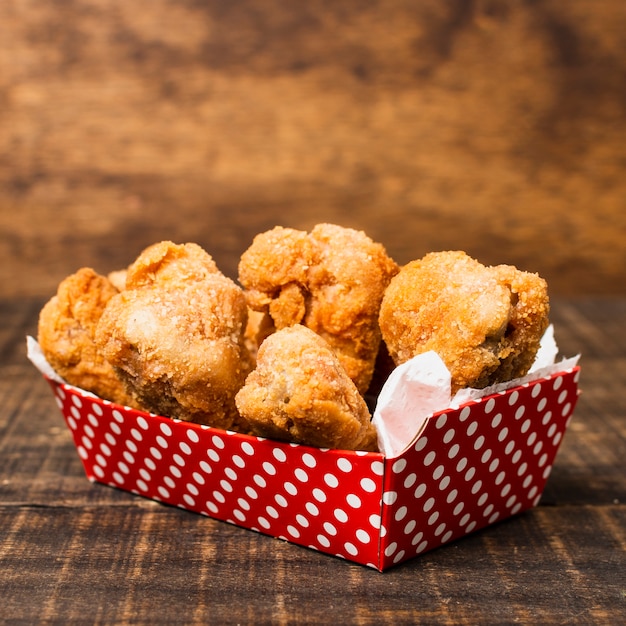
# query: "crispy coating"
[300,392]
[175,335]
[66,332]
[331,280]
[258,328]
[484,322]
[118,279]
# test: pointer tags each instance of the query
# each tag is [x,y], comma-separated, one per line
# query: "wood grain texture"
[76,552]
[127,565]
[490,126]
[485,125]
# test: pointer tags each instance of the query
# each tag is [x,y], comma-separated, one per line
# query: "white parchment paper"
[421,387]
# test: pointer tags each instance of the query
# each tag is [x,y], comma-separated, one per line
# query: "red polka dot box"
[470,467]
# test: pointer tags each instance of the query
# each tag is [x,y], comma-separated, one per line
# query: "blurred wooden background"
[493,126]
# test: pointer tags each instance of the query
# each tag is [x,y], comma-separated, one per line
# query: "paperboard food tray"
[470,467]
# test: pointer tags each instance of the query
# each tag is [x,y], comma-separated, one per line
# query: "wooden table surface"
[489,126]
[76,552]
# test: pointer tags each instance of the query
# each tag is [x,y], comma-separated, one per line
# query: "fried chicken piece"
[175,335]
[484,322]
[382,370]
[300,392]
[258,328]
[66,332]
[331,280]
[118,279]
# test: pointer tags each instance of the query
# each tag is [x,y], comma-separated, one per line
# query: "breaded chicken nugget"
[484,322]
[118,279]
[300,392]
[175,335]
[331,281]
[66,332]
[259,326]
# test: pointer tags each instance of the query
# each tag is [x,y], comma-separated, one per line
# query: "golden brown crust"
[118,279]
[300,392]
[172,335]
[484,322]
[66,333]
[259,327]
[331,280]
[175,335]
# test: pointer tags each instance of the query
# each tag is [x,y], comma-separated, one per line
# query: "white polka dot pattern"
[470,467]
[475,466]
[302,494]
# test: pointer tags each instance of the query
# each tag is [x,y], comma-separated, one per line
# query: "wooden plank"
[73,551]
[126,564]
[39,457]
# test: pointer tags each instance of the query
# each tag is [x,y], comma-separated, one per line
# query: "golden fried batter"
[258,328]
[331,281]
[484,322]
[300,392]
[175,335]
[66,331]
[118,279]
